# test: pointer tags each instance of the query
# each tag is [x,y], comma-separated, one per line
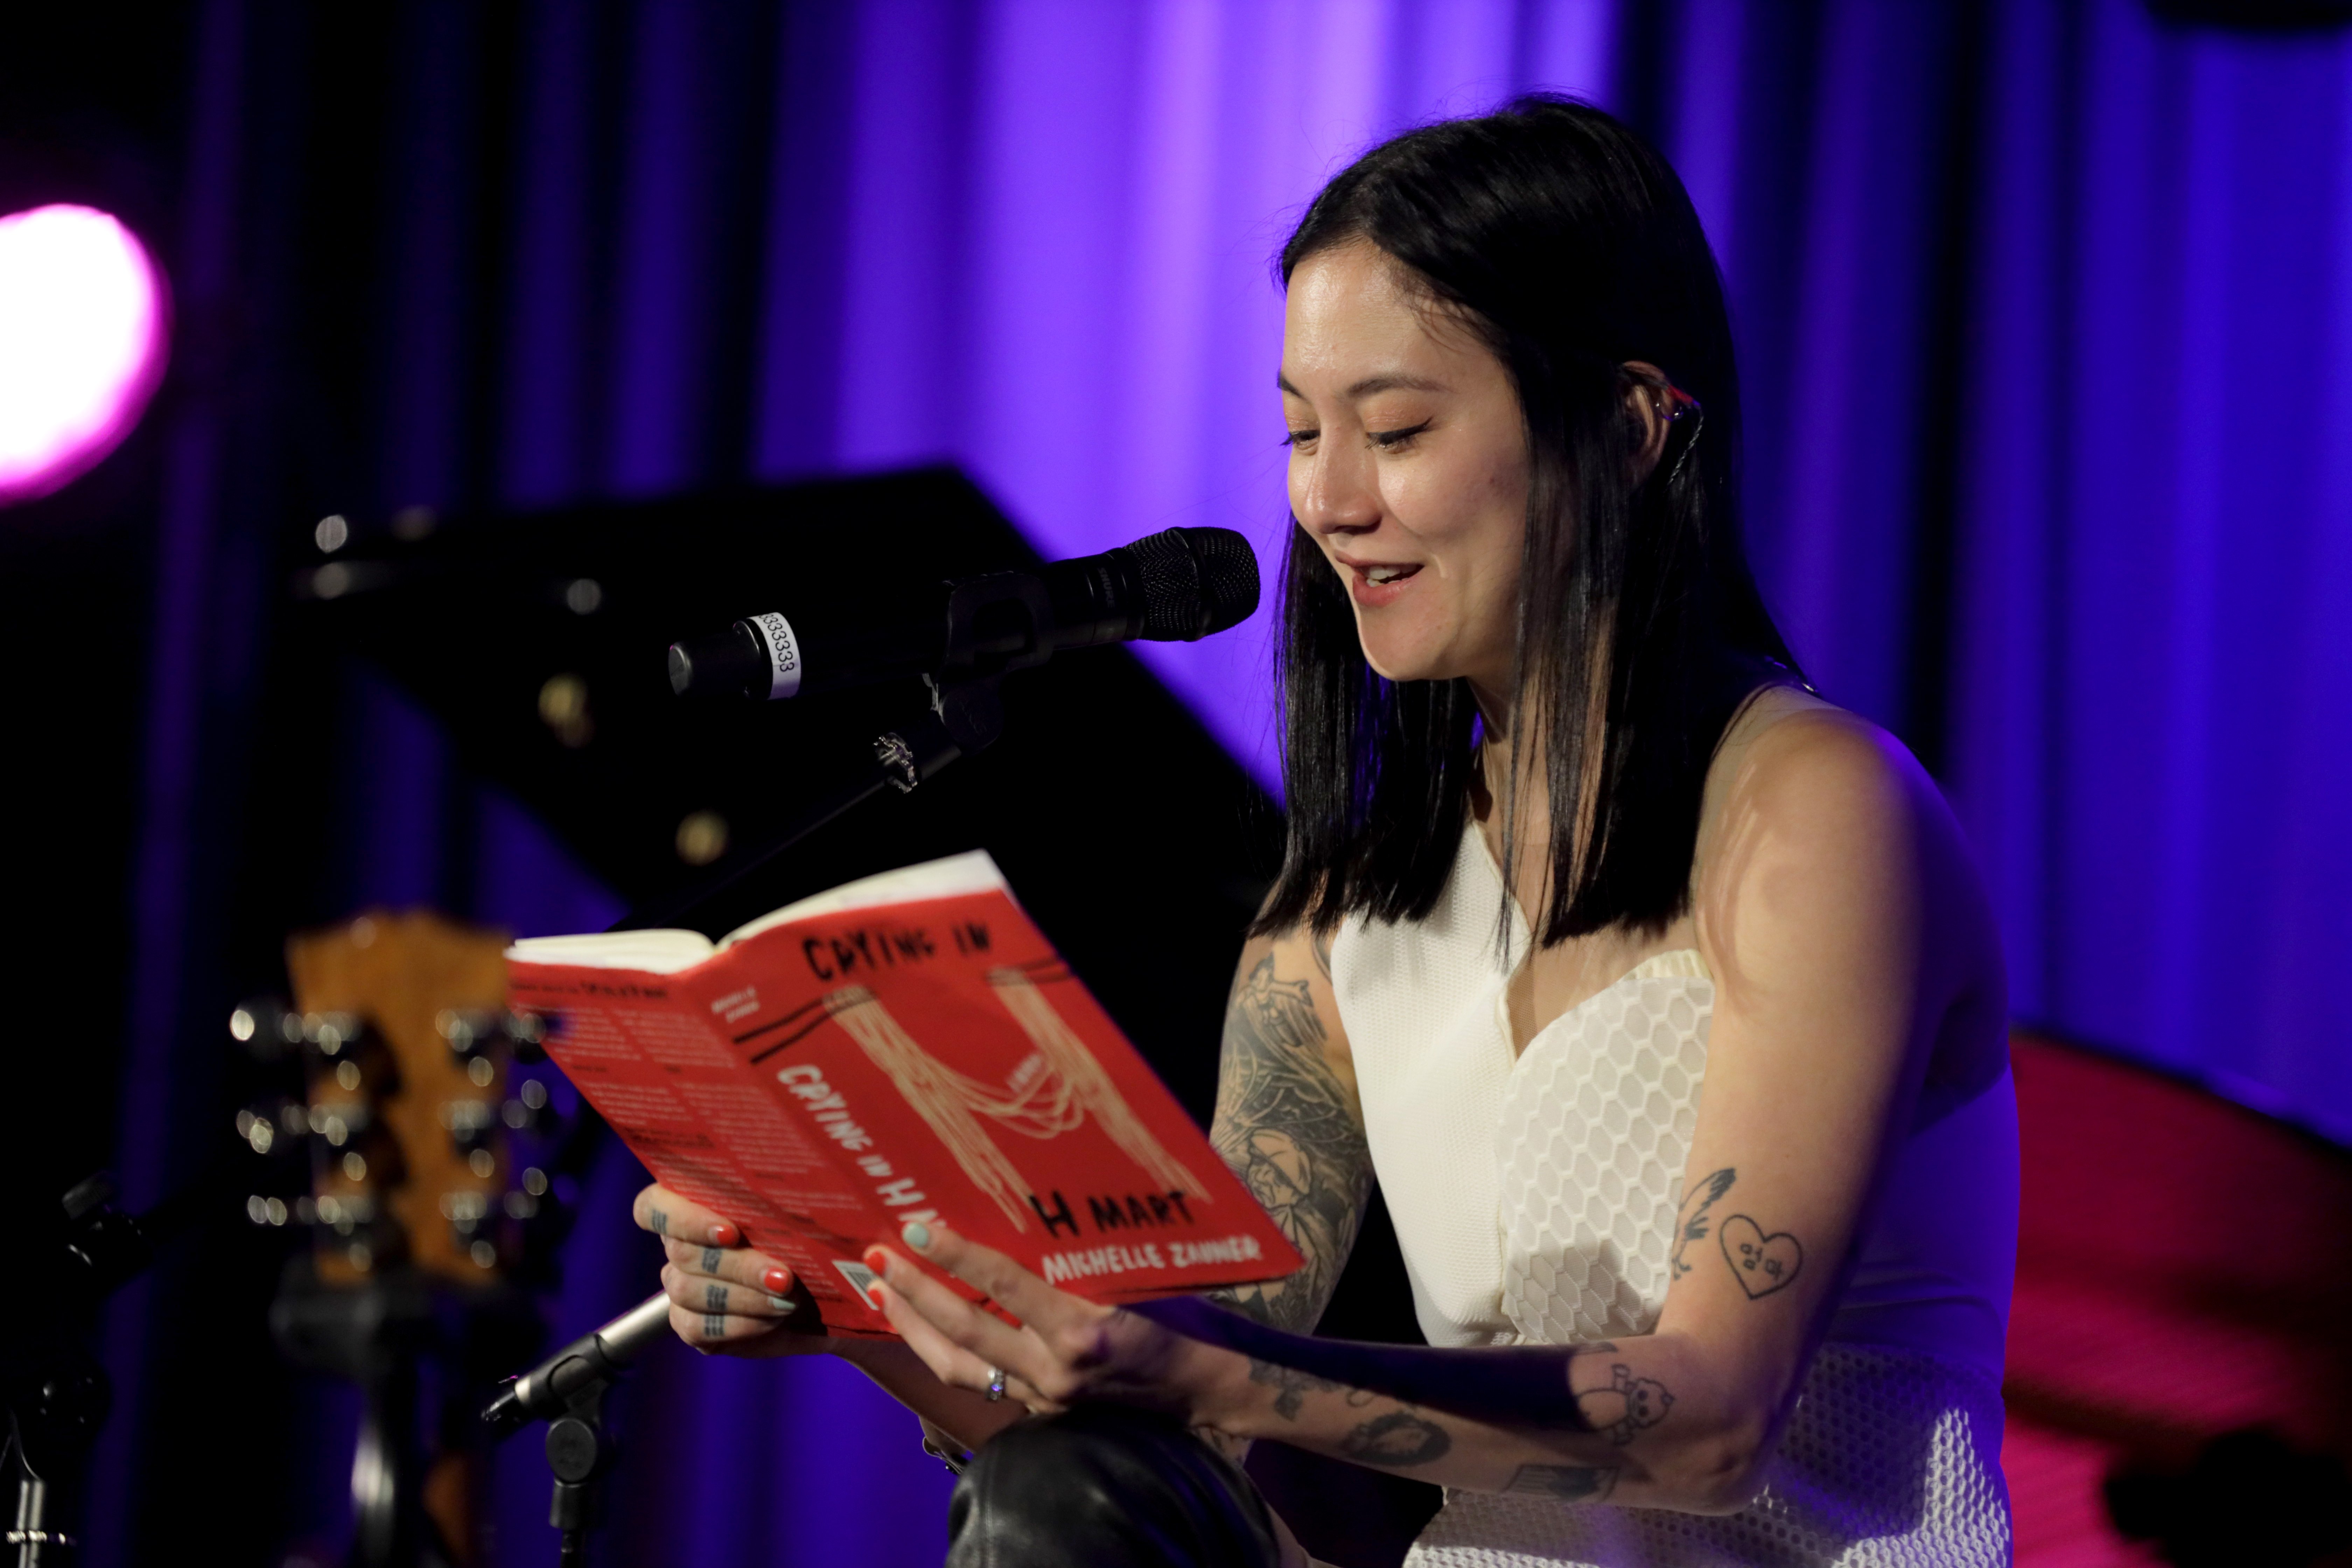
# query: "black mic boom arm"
[1177,585]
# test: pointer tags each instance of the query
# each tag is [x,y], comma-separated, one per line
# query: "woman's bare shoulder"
[1825,788]
[1794,762]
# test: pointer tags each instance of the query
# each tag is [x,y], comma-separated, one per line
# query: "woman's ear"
[1649,401]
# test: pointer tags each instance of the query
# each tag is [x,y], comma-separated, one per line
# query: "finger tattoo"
[714,1299]
[714,1326]
[658,1222]
[711,1258]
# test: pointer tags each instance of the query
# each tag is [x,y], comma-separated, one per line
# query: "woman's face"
[1408,467]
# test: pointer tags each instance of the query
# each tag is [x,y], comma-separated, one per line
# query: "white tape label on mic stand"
[783,655]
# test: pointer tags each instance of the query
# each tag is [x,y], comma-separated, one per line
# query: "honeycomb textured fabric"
[1535,1198]
[1596,1125]
[1890,1460]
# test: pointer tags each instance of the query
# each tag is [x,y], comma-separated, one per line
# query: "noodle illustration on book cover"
[908,1046]
[1052,1091]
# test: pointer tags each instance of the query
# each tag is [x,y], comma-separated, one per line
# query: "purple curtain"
[2045,325]
[2154,635]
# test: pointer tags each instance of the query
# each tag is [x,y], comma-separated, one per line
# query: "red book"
[906,1046]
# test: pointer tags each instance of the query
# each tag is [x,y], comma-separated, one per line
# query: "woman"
[1568,837]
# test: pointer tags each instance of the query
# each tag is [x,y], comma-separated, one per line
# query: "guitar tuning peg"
[527,1110]
[471,1031]
[273,1125]
[339,1122]
[261,1131]
[470,1122]
[543,1210]
[333,1033]
[528,1031]
[347,1214]
[266,1027]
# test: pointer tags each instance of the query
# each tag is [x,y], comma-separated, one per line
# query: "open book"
[904,1047]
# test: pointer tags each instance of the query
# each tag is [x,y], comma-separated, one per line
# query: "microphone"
[1174,586]
[546,1391]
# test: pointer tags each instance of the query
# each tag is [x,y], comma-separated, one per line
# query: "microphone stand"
[568,1389]
[964,717]
[54,1394]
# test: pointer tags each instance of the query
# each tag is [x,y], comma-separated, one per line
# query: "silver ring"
[995,1383]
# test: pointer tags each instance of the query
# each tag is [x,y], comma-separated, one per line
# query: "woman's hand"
[724,1298]
[1066,1350]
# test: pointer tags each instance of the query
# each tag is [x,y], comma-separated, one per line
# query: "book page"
[671,951]
[651,951]
[952,877]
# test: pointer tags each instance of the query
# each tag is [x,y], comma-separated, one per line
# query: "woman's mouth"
[1374,585]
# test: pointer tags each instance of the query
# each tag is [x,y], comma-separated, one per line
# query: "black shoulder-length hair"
[1569,242]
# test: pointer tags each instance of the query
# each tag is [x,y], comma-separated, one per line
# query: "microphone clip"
[567,1390]
[996,625]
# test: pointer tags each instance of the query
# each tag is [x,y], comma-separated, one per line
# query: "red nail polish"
[878,1261]
[777,1280]
[723,1235]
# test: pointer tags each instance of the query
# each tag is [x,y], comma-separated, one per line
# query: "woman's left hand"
[1065,1351]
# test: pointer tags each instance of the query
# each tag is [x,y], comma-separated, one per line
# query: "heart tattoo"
[1762,1264]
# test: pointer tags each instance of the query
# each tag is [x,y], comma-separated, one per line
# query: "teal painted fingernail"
[918,1234]
[782,1304]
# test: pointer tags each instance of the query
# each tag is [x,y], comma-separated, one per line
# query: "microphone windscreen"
[1194,581]
[1228,577]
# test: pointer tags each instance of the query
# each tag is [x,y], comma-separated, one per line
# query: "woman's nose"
[1336,496]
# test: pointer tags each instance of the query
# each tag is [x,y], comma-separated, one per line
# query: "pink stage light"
[82,336]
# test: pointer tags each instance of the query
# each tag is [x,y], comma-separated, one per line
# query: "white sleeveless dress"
[1534,1199]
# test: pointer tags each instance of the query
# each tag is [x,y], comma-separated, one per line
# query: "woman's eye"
[1391,440]
[1301,437]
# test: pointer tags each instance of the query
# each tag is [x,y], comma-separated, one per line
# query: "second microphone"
[1173,586]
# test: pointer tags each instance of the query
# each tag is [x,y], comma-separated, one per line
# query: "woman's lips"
[1376,584]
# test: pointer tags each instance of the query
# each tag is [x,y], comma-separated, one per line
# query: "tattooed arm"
[1289,1124]
[1850,946]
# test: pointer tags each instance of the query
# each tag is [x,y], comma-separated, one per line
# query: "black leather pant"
[1101,1486]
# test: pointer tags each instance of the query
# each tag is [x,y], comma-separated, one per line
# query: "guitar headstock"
[411,1103]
